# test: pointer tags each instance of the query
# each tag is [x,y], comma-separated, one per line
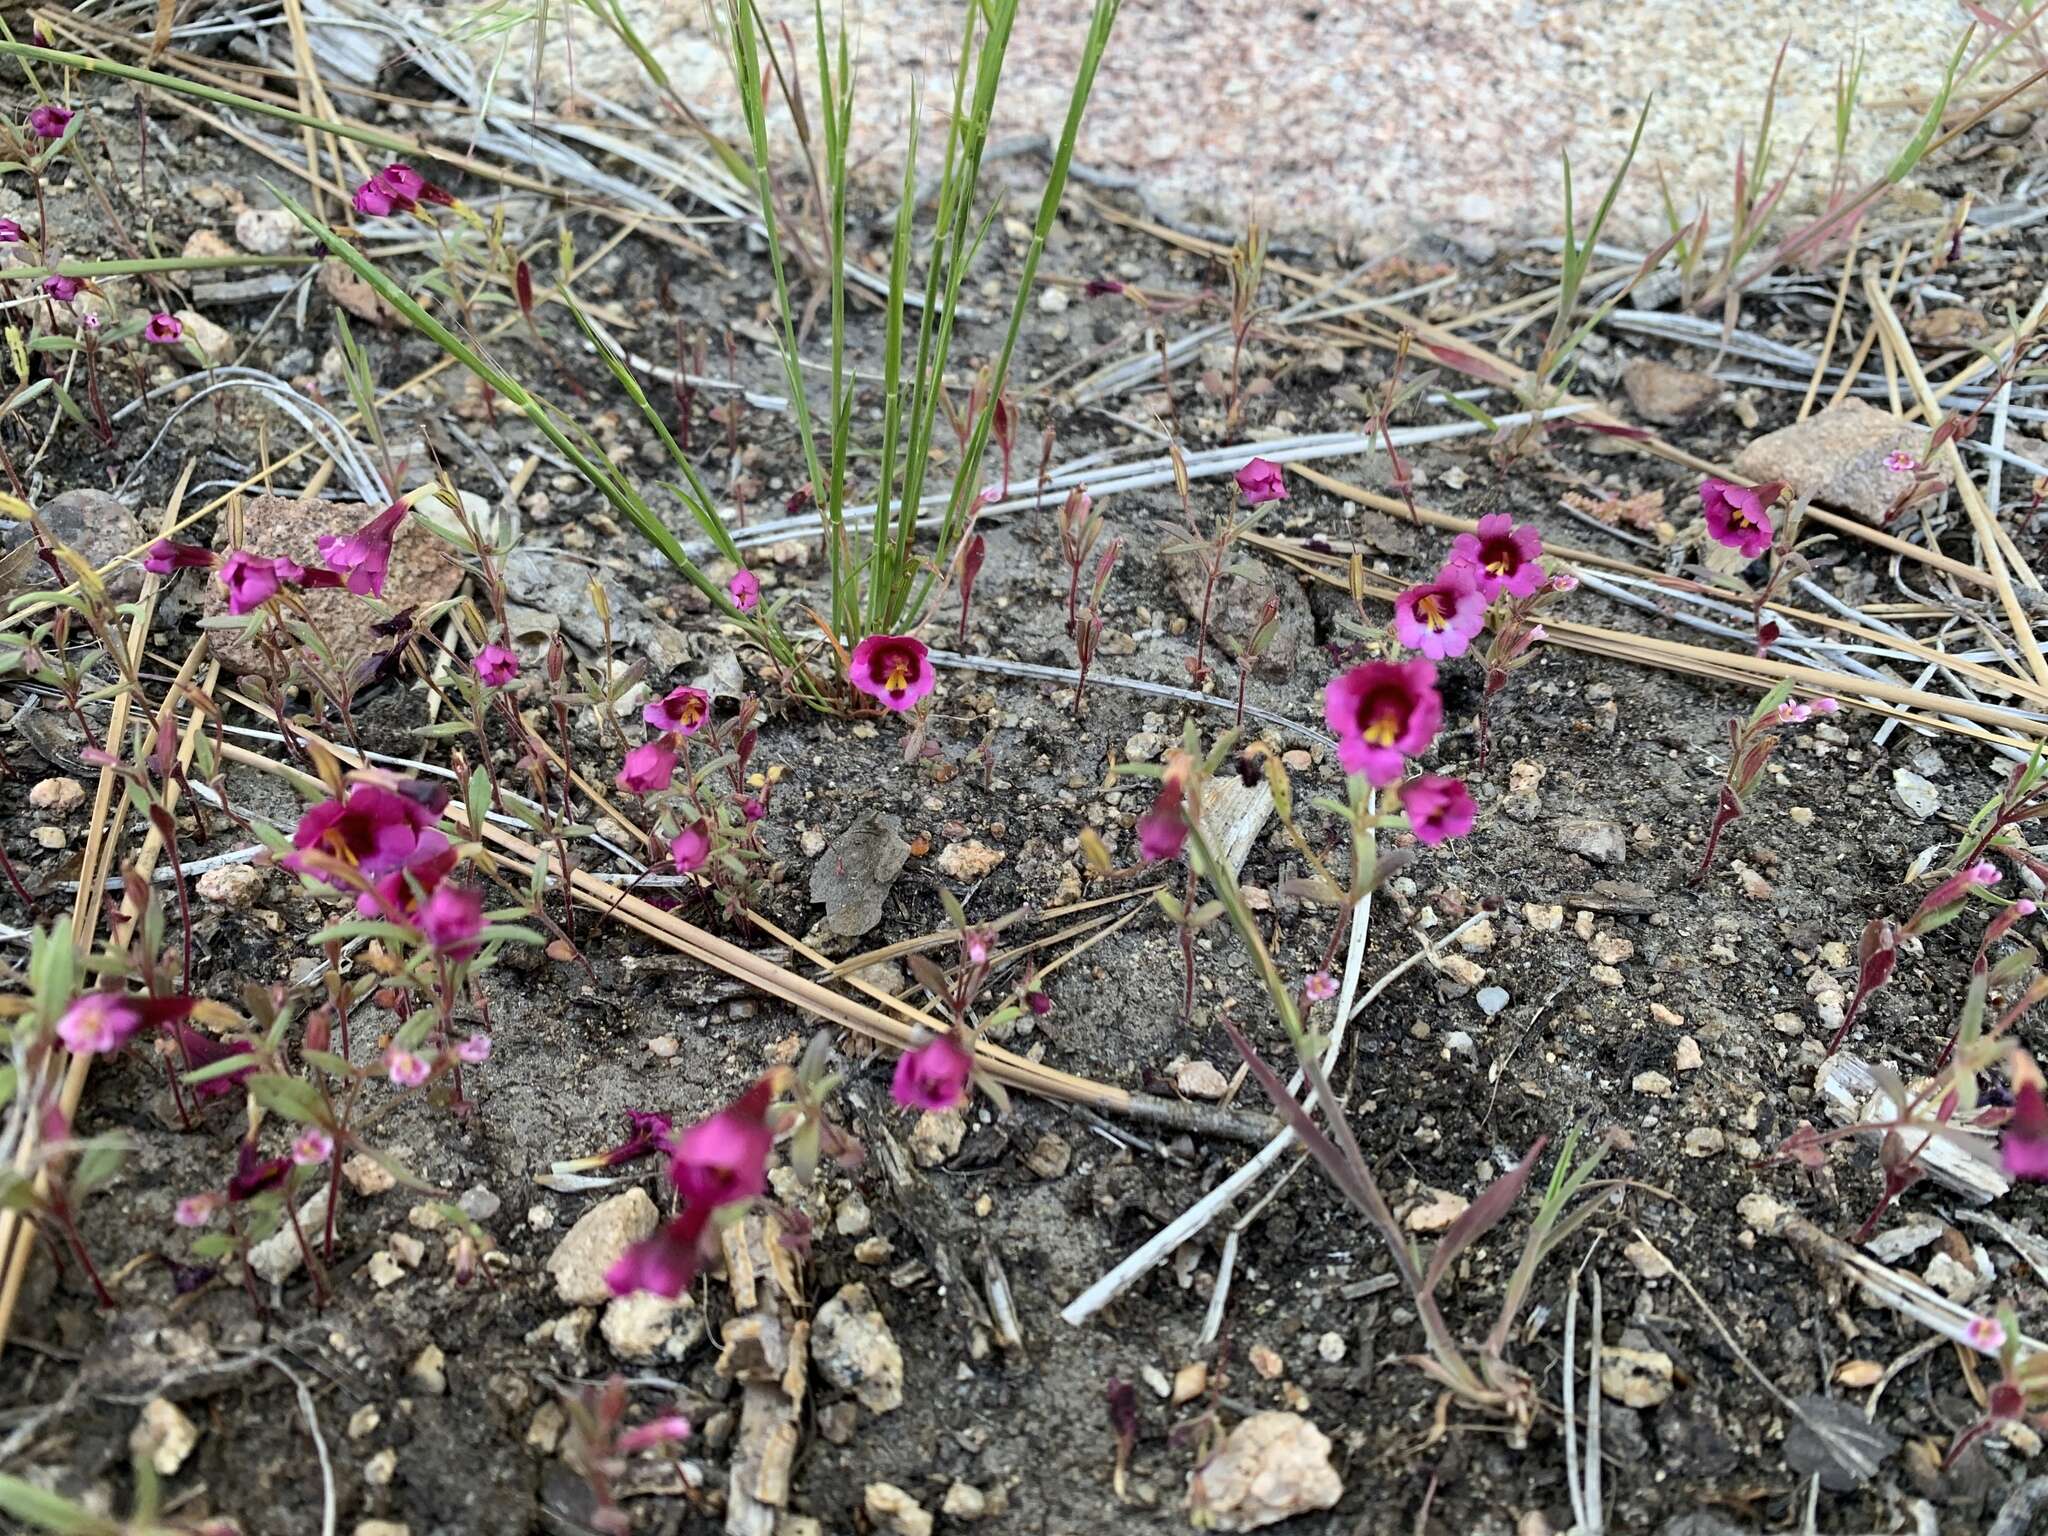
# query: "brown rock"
[97,527]
[1836,456]
[341,284]
[1666,395]
[1273,1466]
[420,573]
[1952,326]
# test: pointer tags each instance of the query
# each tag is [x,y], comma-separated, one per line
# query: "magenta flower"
[1900,462]
[682,710]
[1320,987]
[1163,830]
[363,558]
[61,288]
[692,847]
[403,182]
[2024,1147]
[895,669]
[474,1050]
[1986,1335]
[934,1076]
[254,1174]
[312,1147]
[100,1023]
[167,555]
[654,1432]
[745,588]
[725,1158]
[398,895]
[495,666]
[1739,516]
[1438,808]
[406,1069]
[666,1263]
[163,329]
[11,233]
[375,829]
[649,768]
[373,201]
[1383,712]
[1503,555]
[649,1131]
[1261,482]
[251,580]
[197,1050]
[451,919]
[49,121]
[1439,618]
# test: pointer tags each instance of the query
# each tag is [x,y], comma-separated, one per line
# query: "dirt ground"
[1686,1022]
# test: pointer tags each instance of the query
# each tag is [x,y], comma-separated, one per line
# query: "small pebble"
[56,796]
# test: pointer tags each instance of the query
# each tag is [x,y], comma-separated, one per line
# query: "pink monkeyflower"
[11,233]
[725,1158]
[167,555]
[197,1210]
[691,848]
[667,1262]
[312,1147]
[255,1174]
[1261,482]
[1439,618]
[1163,830]
[1986,1335]
[753,809]
[495,666]
[1900,462]
[682,710]
[398,895]
[402,181]
[650,1131]
[745,588]
[649,768]
[61,288]
[1438,808]
[2024,1147]
[197,1050]
[976,945]
[406,1069]
[1320,987]
[1503,553]
[163,329]
[251,580]
[934,1076]
[892,668]
[1739,516]
[376,829]
[1564,581]
[372,201]
[1383,712]
[474,1050]
[363,558]
[1983,872]
[451,919]
[99,1023]
[1825,705]
[654,1432]
[49,120]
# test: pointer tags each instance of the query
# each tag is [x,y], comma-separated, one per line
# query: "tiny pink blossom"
[2024,1146]
[1441,617]
[895,669]
[1984,872]
[1503,555]
[2025,907]
[163,329]
[407,1070]
[1985,1335]
[251,581]
[1438,808]
[1261,481]
[682,710]
[1320,987]
[474,1050]
[1163,830]
[745,588]
[11,233]
[1739,516]
[197,1210]
[649,768]
[691,848]
[1900,462]
[1564,581]
[654,1432]
[100,1023]
[312,1147]
[1825,705]
[934,1076]
[62,288]
[167,555]
[495,666]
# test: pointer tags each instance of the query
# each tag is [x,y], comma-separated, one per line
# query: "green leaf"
[292,1097]
[328,1062]
[49,1512]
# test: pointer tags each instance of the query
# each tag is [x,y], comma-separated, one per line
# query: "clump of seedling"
[1262,485]
[1751,742]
